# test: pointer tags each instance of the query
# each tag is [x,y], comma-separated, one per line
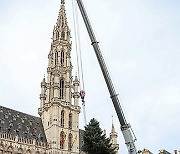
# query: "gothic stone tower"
[59,96]
[113,139]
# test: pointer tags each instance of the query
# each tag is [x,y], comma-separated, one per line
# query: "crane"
[125,127]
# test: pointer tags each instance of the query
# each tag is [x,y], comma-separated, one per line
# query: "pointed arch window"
[28,152]
[70,120]
[57,35]
[70,142]
[61,89]
[20,151]
[62,139]
[56,58]
[62,58]
[62,21]
[62,34]
[1,149]
[9,150]
[62,118]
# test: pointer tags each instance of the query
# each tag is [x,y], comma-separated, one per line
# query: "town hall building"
[56,131]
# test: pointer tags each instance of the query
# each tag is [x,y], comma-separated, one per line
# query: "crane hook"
[82,94]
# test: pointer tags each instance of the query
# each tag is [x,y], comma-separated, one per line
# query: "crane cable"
[79,57]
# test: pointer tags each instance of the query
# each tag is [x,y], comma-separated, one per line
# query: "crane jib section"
[125,127]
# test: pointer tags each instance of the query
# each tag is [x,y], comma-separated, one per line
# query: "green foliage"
[95,142]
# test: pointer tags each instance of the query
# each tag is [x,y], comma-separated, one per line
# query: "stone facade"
[59,107]
[21,133]
[146,151]
[113,139]
[56,131]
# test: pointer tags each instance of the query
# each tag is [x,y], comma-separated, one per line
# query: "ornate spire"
[113,129]
[62,2]
[61,30]
[62,19]
[113,137]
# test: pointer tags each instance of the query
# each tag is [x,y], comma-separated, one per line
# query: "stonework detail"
[57,129]
[21,133]
[113,139]
[59,107]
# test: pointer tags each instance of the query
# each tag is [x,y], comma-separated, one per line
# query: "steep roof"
[21,124]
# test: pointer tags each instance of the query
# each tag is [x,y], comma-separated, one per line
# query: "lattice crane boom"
[125,127]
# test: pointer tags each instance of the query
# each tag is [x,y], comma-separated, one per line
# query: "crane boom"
[125,127]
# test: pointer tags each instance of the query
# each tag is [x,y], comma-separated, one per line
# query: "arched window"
[70,120]
[28,152]
[9,150]
[62,139]
[20,151]
[62,58]
[57,35]
[62,118]
[70,143]
[56,58]
[61,89]
[1,149]
[62,21]
[62,34]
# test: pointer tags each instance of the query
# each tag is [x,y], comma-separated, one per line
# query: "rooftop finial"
[113,129]
[62,2]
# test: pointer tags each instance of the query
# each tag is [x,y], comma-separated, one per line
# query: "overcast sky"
[141,44]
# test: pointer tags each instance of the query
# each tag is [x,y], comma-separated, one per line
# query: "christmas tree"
[95,142]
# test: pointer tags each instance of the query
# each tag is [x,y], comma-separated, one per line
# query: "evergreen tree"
[95,142]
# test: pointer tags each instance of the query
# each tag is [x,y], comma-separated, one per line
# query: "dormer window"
[6,116]
[1,110]
[27,127]
[19,126]
[2,121]
[22,120]
[62,34]
[35,130]
[11,124]
[25,118]
[14,118]
[30,123]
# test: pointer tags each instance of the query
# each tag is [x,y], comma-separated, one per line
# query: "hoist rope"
[76,44]
[79,56]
